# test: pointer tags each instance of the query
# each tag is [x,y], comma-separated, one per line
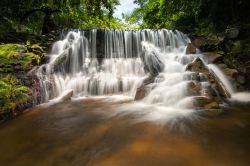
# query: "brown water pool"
[78,133]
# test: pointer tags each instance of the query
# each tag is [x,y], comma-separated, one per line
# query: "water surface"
[87,132]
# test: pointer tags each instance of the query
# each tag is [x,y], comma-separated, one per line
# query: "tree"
[42,14]
[189,15]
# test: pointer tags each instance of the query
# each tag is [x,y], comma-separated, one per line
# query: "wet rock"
[194,88]
[232,33]
[151,60]
[145,88]
[201,101]
[142,92]
[192,76]
[212,105]
[207,90]
[220,90]
[191,49]
[214,56]
[197,66]
[60,61]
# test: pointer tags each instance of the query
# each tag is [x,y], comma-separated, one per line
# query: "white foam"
[241,97]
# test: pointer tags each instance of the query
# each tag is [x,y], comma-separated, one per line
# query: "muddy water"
[79,133]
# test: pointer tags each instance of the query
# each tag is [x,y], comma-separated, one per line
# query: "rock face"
[145,88]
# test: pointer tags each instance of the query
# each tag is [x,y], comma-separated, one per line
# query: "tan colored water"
[77,133]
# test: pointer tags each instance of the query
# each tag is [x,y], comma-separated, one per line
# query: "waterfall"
[119,65]
[117,62]
[105,62]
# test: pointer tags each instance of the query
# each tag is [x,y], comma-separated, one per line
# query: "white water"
[241,97]
[115,62]
[235,96]
[76,62]
[223,78]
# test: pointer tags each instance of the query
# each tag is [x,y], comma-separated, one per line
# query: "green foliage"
[35,14]
[12,93]
[198,15]
[169,14]
[15,57]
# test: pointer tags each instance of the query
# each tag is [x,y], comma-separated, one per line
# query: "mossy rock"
[15,57]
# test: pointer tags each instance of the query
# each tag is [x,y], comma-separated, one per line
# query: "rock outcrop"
[207,90]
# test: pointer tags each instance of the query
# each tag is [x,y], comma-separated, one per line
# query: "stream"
[92,131]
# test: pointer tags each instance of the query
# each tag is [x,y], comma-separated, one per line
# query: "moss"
[15,57]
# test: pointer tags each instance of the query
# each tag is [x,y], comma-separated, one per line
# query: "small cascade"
[222,78]
[170,86]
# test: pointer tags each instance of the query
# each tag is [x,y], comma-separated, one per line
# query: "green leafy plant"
[12,94]
[15,56]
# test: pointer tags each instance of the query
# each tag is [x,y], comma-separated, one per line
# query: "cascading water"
[101,62]
[117,62]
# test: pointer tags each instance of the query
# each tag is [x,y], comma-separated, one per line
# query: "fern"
[12,93]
